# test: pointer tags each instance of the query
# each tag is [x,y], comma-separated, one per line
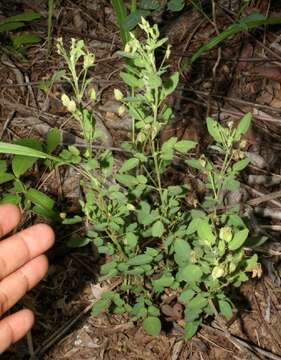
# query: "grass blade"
[121,14]
[245,24]
[6,148]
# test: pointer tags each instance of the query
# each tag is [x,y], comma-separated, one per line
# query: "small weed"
[14,23]
[26,154]
[142,227]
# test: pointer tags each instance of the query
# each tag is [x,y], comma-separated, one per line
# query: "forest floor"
[243,75]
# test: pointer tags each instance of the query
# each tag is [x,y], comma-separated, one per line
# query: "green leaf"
[186,296]
[190,274]
[240,165]
[127,180]
[176,5]
[153,310]
[25,39]
[198,302]
[108,267]
[231,184]
[140,260]
[6,177]
[155,81]
[73,220]
[11,199]
[24,16]
[238,240]
[131,80]
[249,22]
[121,14]
[190,329]
[205,232]
[39,198]
[6,148]
[244,125]
[20,164]
[182,252]
[45,212]
[129,164]
[215,130]
[152,325]
[10,26]
[53,140]
[195,164]
[158,229]
[182,247]
[251,262]
[170,85]
[131,240]
[163,282]
[225,309]
[100,306]
[134,18]
[3,166]
[78,242]
[143,214]
[184,146]
[149,4]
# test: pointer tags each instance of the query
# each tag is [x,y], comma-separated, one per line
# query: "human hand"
[22,266]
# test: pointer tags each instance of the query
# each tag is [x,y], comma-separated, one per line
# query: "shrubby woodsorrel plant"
[149,238]
[141,226]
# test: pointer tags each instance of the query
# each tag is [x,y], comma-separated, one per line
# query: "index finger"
[9,218]
[18,249]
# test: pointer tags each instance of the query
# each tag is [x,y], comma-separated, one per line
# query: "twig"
[264,198]
[251,347]
[7,122]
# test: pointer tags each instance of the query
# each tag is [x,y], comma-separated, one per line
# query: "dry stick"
[58,334]
[262,198]
[234,113]
[237,101]
[7,123]
[226,331]
[253,348]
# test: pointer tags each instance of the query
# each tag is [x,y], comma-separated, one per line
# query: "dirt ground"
[243,75]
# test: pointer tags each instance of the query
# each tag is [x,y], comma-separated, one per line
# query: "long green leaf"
[6,148]
[245,24]
[24,16]
[121,14]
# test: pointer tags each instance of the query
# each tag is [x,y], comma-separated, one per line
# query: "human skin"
[22,266]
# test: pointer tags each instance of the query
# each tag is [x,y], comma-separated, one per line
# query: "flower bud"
[118,94]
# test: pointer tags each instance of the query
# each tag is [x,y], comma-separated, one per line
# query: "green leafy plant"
[147,235]
[26,154]
[78,78]
[18,22]
[141,225]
